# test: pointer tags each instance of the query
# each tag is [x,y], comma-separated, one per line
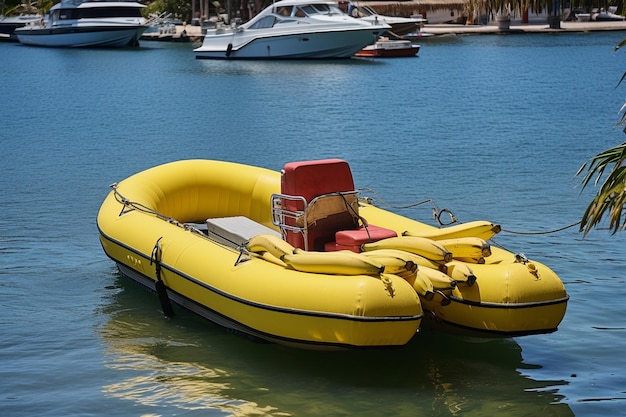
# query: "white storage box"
[235,231]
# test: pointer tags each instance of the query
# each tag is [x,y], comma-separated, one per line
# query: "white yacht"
[292,29]
[8,24]
[75,23]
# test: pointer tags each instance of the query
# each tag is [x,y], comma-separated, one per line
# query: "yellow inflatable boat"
[182,228]
[297,258]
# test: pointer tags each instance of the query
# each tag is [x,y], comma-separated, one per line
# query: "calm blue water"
[491,127]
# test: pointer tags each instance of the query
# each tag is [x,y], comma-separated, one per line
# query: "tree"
[610,199]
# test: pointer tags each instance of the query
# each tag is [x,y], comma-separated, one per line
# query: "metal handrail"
[280,215]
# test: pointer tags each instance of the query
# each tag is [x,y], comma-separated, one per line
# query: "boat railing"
[333,210]
[286,217]
[157,19]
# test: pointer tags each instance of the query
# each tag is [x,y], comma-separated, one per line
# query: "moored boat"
[389,48]
[17,17]
[297,258]
[8,24]
[77,23]
[292,29]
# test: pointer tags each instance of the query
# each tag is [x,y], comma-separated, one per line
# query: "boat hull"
[306,45]
[506,300]
[399,26]
[90,36]
[607,18]
[403,28]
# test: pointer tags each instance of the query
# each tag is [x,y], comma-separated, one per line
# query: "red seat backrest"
[311,179]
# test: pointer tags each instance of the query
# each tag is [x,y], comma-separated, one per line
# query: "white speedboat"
[399,25]
[292,29]
[74,23]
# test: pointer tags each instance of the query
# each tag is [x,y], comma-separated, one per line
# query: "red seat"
[353,239]
[330,216]
[311,179]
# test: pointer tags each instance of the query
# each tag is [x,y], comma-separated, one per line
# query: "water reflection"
[314,70]
[190,365]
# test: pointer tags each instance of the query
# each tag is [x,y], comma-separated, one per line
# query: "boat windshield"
[264,23]
[288,10]
[284,10]
[362,11]
[367,11]
[100,12]
[321,8]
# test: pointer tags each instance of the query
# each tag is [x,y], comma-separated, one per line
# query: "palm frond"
[619,45]
[610,199]
[621,79]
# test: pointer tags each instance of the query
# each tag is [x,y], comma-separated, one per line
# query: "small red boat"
[389,48]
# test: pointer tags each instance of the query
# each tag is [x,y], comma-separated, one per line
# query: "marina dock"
[534,26]
[189,33]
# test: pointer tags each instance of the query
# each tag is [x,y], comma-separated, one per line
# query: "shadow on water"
[188,364]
